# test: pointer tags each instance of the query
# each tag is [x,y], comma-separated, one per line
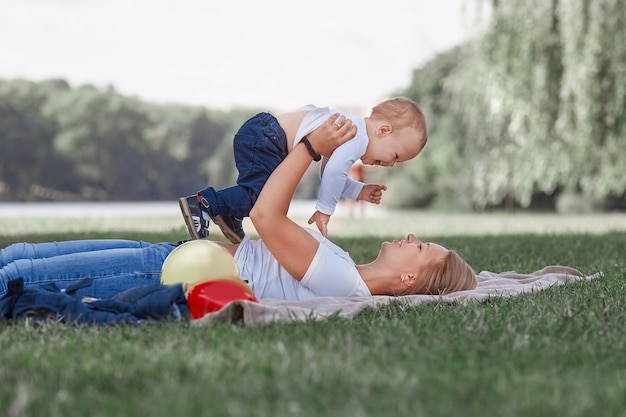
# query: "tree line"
[64,143]
[531,113]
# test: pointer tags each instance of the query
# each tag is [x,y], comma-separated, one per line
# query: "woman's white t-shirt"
[331,273]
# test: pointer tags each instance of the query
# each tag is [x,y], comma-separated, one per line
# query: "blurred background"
[109,100]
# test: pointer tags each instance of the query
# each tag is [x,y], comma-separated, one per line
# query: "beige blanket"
[490,285]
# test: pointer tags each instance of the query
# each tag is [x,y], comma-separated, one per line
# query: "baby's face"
[398,146]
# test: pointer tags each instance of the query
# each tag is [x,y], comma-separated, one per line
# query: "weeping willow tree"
[592,120]
[542,98]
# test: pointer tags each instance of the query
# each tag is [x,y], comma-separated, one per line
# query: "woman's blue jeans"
[260,145]
[114,265]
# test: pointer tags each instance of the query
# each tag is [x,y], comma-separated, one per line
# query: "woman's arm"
[291,245]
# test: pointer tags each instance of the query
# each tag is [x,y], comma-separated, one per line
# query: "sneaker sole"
[226,231]
[191,227]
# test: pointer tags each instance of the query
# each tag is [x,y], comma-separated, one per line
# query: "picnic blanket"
[490,285]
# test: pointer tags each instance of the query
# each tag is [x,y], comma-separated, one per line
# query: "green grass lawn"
[560,352]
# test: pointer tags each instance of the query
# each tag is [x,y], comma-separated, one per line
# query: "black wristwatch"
[309,147]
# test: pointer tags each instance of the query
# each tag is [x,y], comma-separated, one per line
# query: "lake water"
[156,216]
[61,217]
[139,209]
[88,209]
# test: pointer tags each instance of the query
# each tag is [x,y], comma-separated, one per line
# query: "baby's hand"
[372,193]
[321,221]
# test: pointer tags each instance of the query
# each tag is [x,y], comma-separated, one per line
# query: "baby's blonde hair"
[400,112]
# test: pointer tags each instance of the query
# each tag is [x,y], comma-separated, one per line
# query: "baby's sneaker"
[197,220]
[231,227]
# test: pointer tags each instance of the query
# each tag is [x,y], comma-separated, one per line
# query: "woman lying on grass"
[288,262]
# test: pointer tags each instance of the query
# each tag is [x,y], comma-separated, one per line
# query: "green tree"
[102,133]
[507,96]
[211,149]
[540,99]
[27,156]
[592,120]
[437,174]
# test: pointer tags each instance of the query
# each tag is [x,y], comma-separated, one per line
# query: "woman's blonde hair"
[447,275]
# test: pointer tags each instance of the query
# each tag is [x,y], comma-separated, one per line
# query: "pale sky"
[273,54]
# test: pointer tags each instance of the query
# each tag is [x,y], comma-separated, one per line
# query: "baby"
[395,131]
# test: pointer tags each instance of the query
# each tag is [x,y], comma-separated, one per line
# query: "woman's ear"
[408,279]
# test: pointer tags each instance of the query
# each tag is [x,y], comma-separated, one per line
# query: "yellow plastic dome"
[197,260]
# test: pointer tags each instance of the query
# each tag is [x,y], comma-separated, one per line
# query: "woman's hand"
[335,131]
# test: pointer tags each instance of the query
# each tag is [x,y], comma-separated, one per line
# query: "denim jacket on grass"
[148,304]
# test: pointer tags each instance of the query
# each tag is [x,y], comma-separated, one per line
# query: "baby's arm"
[372,193]
[351,189]
[335,182]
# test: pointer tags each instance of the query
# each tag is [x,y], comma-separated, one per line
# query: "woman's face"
[412,253]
